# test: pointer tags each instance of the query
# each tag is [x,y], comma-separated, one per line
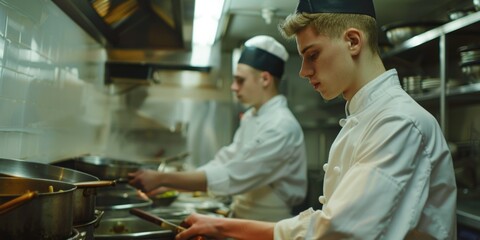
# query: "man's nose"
[234,86]
[305,71]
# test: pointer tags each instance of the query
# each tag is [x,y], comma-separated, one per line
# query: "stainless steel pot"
[84,197]
[47,216]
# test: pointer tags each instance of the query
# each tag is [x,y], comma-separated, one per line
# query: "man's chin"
[328,98]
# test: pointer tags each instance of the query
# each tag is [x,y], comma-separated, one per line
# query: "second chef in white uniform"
[265,166]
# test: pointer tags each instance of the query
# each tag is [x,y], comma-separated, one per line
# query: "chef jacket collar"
[275,102]
[364,7]
[371,91]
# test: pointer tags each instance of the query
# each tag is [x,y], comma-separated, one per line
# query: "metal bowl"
[471,72]
[399,32]
[164,199]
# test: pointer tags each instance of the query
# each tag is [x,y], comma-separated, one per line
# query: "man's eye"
[312,56]
[239,81]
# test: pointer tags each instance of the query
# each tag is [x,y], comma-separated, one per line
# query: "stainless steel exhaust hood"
[140,36]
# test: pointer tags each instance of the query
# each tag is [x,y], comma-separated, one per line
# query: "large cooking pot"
[84,196]
[47,216]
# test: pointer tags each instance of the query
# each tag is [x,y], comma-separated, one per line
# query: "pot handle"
[161,222]
[90,184]
[5,207]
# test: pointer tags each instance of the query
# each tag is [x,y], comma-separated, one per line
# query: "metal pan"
[106,168]
[84,197]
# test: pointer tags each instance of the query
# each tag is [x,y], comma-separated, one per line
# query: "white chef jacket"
[389,174]
[265,165]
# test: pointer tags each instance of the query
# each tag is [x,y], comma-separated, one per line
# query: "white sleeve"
[259,162]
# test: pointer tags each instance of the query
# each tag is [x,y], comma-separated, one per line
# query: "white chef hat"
[266,54]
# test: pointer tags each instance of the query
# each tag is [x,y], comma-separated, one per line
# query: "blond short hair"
[331,25]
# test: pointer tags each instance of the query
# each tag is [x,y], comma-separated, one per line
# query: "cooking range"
[58,202]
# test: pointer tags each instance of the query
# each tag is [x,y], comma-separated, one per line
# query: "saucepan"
[84,196]
[49,215]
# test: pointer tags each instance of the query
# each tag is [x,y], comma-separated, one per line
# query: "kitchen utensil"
[117,199]
[399,32]
[476,5]
[469,53]
[471,71]
[47,216]
[157,220]
[75,235]
[161,222]
[5,207]
[87,229]
[459,13]
[106,168]
[130,227]
[165,161]
[83,196]
[412,84]
[165,198]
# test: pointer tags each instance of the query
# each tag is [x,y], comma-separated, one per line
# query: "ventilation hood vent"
[140,36]
[134,24]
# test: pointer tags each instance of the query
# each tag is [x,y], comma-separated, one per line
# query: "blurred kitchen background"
[128,79]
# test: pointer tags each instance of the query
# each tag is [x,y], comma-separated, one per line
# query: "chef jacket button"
[354,121]
[342,122]
[337,169]
[325,166]
[322,199]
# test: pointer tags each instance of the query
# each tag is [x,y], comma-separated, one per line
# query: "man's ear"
[267,78]
[354,39]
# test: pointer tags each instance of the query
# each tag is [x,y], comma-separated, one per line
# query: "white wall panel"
[51,77]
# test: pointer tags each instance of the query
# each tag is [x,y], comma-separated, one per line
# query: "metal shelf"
[433,34]
[465,89]
[435,40]
[451,93]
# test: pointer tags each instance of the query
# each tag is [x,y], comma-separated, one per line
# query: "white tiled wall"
[52,103]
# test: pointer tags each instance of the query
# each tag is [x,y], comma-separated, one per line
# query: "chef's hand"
[200,225]
[145,180]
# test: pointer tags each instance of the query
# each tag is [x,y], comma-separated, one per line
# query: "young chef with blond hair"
[264,168]
[390,173]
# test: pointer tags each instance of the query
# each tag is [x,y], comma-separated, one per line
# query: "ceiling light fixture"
[205,22]
[206,19]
